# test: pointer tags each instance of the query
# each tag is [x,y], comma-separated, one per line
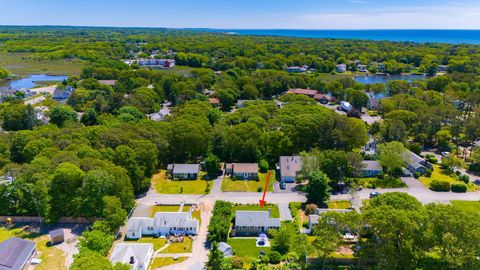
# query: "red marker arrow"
[262,201]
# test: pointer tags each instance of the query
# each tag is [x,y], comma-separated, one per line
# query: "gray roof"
[413,159]
[255,218]
[186,168]
[290,165]
[124,251]
[175,219]
[134,224]
[313,219]
[15,252]
[222,246]
[55,233]
[245,167]
[372,165]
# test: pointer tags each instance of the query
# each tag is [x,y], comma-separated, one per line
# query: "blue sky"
[247,14]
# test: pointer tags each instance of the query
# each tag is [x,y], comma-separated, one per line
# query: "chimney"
[132,260]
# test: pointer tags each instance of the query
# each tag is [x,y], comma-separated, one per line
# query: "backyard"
[52,257]
[441,175]
[164,185]
[230,185]
[246,249]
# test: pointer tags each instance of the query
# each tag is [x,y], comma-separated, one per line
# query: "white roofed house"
[136,255]
[254,222]
[162,224]
[289,168]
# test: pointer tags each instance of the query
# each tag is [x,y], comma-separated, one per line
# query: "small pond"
[384,78]
[31,81]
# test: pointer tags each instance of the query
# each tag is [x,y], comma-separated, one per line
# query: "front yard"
[274,211]
[386,182]
[163,185]
[185,247]
[230,185]
[161,262]
[339,204]
[441,175]
[157,242]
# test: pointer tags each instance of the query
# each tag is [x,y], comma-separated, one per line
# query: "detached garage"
[57,236]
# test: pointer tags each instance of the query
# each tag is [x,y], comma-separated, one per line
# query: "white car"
[444,154]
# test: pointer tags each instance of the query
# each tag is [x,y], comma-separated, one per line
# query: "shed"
[226,249]
[57,236]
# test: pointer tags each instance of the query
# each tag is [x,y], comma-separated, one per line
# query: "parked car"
[444,154]
[283,185]
[375,194]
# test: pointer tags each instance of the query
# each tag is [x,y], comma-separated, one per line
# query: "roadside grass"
[164,185]
[441,175]
[157,242]
[339,204]
[18,63]
[274,211]
[386,182]
[469,206]
[185,247]
[246,248]
[196,214]
[230,185]
[161,262]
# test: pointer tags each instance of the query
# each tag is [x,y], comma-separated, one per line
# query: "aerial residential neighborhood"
[217,135]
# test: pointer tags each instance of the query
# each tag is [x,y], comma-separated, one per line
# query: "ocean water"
[420,36]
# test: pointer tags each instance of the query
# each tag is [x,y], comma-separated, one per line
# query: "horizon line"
[241,29]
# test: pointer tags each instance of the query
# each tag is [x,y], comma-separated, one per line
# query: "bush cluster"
[439,185]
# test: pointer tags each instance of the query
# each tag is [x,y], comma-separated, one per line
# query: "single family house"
[372,168]
[415,163]
[162,224]
[242,171]
[254,222]
[136,255]
[289,168]
[184,171]
[16,253]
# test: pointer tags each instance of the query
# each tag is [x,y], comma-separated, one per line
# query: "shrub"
[428,173]
[237,262]
[438,185]
[265,259]
[459,187]
[291,256]
[310,209]
[275,257]
[432,159]
[417,175]
[263,166]
[464,178]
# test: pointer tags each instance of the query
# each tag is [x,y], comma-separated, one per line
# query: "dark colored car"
[375,194]
[283,185]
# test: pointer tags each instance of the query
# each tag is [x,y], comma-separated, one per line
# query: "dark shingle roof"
[14,252]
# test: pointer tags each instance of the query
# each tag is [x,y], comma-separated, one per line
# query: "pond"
[384,78]
[32,81]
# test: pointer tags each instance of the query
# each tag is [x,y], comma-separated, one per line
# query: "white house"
[136,255]
[163,224]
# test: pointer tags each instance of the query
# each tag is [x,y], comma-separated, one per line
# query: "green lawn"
[167,186]
[18,63]
[185,247]
[274,212]
[157,242]
[161,262]
[339,204]
[230,185]
[381,183]
[246,248]
[441,175]
[467,205]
